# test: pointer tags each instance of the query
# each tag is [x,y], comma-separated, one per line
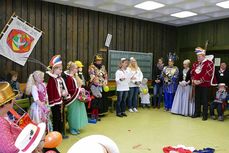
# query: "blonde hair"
[70,65]
[187,61]
[121,62]
[32,81]
[133,67]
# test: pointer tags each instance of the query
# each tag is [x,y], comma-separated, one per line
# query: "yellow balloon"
[145,91]
[106,88]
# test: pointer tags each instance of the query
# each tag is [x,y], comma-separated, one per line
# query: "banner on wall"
[18,39]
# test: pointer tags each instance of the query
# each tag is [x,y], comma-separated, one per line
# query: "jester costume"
[99,71]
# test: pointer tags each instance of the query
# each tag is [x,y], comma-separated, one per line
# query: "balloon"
[145,91]
[106,88]
[50,151]
[53,139]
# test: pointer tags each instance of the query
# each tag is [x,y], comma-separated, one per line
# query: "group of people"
[186,90]
[64,92]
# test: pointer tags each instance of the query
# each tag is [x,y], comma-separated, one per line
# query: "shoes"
[124,114]
[154,106]
[135,110]
[98,119]
[131,110]
[143,106]
[213,117]
[119,115]
[148,106]
[74,131]
[158,107]
[204,118]
[195,116]
[220,118]
[65,136]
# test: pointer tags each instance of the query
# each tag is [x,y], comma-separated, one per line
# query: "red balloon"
[53,139]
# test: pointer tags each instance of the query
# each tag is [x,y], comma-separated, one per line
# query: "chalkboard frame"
[128,54]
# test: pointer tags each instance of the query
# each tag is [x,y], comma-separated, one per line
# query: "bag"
[84,96]
[23,120]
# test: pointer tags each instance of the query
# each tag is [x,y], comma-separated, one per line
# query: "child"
[39,112]
[77,116]
[144,94]
[122,81]
[97,100]
[12,79]
[57,93]
[80,73]
[221,95]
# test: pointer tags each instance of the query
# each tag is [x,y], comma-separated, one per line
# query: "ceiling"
[206,9]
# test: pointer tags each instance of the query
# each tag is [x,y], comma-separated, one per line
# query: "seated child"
[221,95]
[144,93]
[12,79]
[97,100]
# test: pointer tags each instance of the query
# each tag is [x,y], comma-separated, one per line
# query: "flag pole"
[7,24]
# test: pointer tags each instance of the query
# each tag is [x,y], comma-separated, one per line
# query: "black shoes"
[195,116]
[124,114]
[119,115]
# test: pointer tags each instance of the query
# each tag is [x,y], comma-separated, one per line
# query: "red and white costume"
[204,72]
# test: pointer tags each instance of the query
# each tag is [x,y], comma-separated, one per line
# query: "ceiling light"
[149,5]
[224,4]
[183,14]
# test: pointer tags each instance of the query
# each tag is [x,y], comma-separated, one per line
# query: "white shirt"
[124,84]
[137,74]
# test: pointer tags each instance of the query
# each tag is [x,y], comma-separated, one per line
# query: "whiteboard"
[145,62]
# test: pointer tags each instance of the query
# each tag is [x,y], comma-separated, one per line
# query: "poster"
[18,40]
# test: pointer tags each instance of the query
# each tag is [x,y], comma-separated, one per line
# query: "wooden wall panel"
[77,33]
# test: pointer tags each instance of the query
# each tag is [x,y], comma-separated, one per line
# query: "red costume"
[204,72]
[53,91]
[73,90]
[202,75]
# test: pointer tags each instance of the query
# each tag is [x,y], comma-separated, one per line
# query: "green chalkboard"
[145,62]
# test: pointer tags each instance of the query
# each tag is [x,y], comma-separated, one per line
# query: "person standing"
[183,103]
[222,75]
[158,85]
[122,83]
[169,76]
[57,93]
[202,74]
[98,71]
[135,81]
[77,115]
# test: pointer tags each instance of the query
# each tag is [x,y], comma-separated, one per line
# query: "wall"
[77,33]
[216,32]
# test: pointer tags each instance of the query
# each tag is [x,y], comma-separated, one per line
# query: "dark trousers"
[201,97]
[133,97]
[121,101]
[57,119]
[157,93]
[219,107]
